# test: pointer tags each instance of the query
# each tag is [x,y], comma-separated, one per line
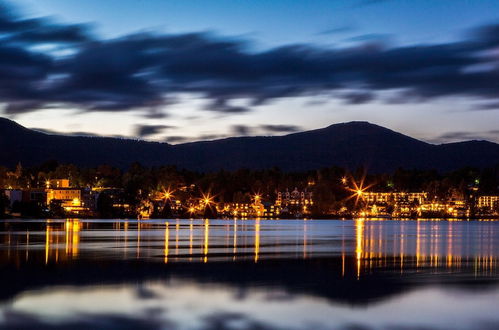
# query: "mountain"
[348,145]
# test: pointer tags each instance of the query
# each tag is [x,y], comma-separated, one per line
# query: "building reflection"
[425,245]
[257,239]
[56,233]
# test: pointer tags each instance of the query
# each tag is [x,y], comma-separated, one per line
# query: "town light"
[168,194]
[358,190]
[206,199]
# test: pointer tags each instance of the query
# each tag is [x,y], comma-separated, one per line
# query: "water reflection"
[249,274]
[427,244]
[182,305]
[374,244]
[69,233]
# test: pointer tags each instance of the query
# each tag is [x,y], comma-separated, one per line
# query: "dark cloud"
[242,130]
[39,30]
[337,30]
[54,34]
[177,139]
[280,128]
[488,106]
[245,130]
[52,132]
[363,3]
[145,71]
[203,137]
[209,137]
[382,38]
[491,135]
[148,130]
[358,97]
[222,106]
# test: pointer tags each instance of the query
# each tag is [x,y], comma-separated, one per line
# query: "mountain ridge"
[350,145]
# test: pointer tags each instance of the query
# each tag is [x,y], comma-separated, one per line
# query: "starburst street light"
[344,180]
[168,194]
[358,190]
[206,199]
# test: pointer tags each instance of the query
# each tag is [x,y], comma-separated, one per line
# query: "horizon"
[78,68]
[82,134]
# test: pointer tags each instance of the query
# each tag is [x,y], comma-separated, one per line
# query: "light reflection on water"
[247,274]
[372,243]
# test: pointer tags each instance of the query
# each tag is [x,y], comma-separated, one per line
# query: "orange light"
[168,194]
[207,199]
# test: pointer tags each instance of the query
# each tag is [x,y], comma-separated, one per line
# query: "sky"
[177,71]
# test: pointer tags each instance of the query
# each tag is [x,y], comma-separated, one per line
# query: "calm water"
[267,274]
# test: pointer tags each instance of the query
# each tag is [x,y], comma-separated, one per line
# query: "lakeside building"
[14,195]
[395,197]
[35,195]
[257,209]
[295,203]
[488,202]
[57,183]
[414,204]
[56,197]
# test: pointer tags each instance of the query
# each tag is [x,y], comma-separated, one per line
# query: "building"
[395,197]
[295,202]
[71,198]
[57,183]
[488,202]
[14,195]
[35,195]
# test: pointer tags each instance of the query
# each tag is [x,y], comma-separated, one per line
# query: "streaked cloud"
[143,72]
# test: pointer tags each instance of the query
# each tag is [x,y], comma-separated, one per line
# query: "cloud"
[358,97]
[52,132]
[280,128]
[237,130]
[337,30]
[40,30]
[364,3]
[458,136]
[177,139]
[143,72]
[148,130]
[242,130]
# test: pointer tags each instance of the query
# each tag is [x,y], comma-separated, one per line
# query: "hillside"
[348,145]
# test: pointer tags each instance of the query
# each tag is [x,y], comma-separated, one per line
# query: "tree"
[105,205]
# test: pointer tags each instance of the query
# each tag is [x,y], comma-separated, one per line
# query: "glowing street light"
[206,199]
[358,190]
[168,194]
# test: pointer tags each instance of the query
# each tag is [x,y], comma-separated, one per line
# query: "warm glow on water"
[195,274]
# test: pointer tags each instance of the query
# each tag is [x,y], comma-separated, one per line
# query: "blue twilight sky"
[179,71]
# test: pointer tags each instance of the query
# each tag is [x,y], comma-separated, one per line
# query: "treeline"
[328,185]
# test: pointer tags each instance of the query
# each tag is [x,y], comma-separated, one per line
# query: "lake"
[249,274]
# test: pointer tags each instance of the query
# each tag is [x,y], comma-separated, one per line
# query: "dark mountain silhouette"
[349,145]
